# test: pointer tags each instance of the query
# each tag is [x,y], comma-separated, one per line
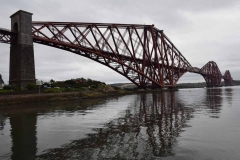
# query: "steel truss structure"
[211,74]
[6,36]
[141,53]
[227,78]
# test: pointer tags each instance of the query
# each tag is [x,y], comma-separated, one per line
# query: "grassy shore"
[50,97]
[4,90]
[66,96]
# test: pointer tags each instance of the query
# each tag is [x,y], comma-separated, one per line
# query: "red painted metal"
[227,78]
[141,53]
[211,74]
[6,36]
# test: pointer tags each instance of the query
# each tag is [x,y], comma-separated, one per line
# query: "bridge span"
[141,53]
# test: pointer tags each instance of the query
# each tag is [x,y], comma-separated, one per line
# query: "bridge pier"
[22,67]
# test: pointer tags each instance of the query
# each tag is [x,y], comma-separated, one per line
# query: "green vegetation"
[31,86]
[77,85]
[192,85]
[8,87]
[89,85]
[72,85]
[4,90]
[52,90]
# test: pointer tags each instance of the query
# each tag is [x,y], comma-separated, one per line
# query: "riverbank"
[64,96]
[51,97]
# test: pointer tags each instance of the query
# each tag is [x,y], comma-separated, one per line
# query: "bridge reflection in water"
[214,102]
[148,129]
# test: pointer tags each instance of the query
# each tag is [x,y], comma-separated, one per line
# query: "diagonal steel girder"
[6,36]
[211,74]
[141,53]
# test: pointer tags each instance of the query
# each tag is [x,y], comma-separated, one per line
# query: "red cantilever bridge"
[141,53]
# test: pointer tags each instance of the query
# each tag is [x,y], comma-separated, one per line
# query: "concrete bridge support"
[22,67]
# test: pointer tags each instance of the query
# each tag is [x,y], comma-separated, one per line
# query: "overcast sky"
[206,30]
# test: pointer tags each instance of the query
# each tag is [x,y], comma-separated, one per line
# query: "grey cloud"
[202,30]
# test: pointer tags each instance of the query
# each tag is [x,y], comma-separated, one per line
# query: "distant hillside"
[236,82]
[192,85]
[180,85]
[123,85]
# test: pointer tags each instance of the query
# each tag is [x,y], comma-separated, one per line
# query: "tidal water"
[189,124]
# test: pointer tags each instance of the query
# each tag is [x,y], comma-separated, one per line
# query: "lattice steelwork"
[6,36]
[141,53]
[227,78]
[211,74]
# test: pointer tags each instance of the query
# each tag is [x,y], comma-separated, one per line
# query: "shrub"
[52,90]
[68,89]
[84,89]
[31,86]
[8,87]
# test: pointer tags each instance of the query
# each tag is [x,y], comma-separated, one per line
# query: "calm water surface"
[189,124]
